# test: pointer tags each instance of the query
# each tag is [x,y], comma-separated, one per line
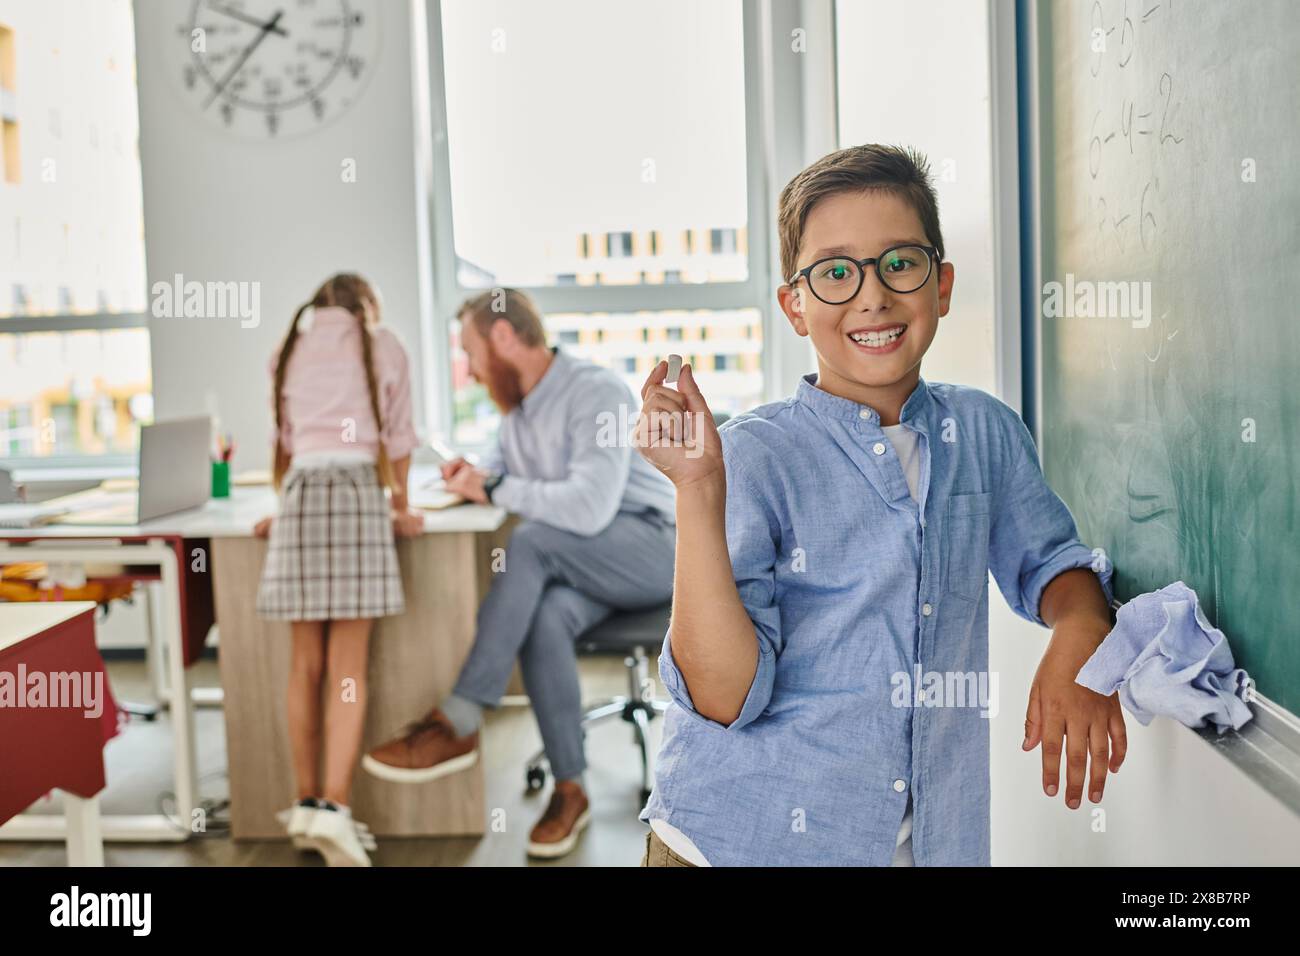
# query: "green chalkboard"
[1169,325]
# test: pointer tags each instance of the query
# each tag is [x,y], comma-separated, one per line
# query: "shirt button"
[863,413]
[900,786]
[878,448]
[926,609]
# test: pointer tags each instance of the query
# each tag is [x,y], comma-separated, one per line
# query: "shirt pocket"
[967,532]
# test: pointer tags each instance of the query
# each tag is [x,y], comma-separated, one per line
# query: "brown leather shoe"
[565,818]
[427,750]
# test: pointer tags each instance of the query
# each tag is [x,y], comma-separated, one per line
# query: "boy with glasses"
[828,651]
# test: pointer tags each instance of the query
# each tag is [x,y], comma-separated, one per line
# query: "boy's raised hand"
[675,431]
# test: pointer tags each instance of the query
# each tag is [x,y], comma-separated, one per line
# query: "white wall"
[1175,802]
[221,208]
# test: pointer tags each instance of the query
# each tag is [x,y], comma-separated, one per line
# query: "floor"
[139,781]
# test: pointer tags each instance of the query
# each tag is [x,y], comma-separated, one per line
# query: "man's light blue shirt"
[566,456]
[856,590]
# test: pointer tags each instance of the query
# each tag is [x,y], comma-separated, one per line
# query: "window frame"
[755,292]
[23,323]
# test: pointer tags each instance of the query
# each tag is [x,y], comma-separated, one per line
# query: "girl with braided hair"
[341,395]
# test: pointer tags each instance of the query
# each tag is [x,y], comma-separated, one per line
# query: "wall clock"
[274,69]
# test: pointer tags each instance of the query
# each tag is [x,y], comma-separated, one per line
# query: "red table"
[180,619]
[56,713]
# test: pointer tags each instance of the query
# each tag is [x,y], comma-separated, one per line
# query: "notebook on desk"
[434,496]
[175,475]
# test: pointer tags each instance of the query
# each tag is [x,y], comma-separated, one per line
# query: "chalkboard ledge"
[1267,750]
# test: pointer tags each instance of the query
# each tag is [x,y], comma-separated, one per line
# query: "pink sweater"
[325,400]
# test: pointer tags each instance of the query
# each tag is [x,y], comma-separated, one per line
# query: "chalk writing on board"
[1146,233]
[1166,89]
[1135,119]
[1127,39]
[1118,132]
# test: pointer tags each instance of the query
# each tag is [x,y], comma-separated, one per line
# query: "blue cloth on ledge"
[1165,658]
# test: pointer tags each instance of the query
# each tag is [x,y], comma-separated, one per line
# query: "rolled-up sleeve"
[1033,537]
[753,535]
[398,434]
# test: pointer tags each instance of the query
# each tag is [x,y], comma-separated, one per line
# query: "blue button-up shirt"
[871,615]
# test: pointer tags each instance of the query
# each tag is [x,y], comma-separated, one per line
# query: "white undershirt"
[332,456]
[905,446]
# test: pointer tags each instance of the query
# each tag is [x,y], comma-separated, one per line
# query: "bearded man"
[597,535]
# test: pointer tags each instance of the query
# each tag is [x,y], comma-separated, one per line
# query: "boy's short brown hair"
[900,170]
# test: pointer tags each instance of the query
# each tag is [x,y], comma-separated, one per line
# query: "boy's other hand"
[675,431]
[1092,726]
[263,528]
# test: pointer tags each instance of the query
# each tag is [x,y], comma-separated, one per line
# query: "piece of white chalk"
[674,368]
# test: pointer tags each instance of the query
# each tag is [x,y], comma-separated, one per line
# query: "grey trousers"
[554,586]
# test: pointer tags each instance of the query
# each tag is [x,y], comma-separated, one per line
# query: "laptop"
[175,475]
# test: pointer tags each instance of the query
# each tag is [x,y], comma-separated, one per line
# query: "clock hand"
[248,51]
[240,15]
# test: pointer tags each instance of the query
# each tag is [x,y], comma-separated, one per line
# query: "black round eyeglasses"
[837,279]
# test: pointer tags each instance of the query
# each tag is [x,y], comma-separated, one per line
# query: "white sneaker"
[297,821]
[366,838]
[339,838]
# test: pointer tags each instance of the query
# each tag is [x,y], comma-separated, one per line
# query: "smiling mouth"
[879,340]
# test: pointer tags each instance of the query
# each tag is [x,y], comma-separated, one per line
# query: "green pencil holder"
[221,479]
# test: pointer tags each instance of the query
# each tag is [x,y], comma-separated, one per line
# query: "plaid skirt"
[331,555]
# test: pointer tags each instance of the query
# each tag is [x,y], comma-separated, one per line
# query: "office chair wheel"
[536,778]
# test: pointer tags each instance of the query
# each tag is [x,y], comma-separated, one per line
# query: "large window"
[723,346]
[601,154]
[949,74]
[74,353]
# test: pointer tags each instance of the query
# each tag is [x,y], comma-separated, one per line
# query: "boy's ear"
[947,275]
[793,303]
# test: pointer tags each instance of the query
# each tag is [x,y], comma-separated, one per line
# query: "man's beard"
[503,383]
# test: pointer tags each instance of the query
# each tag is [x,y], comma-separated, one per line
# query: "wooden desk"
[414,661]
